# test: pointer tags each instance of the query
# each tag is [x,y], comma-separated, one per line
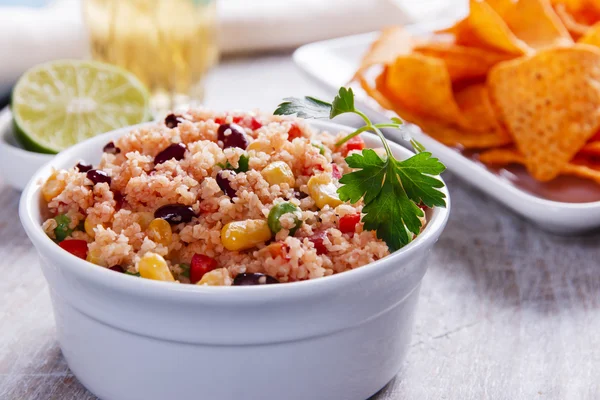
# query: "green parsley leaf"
[342,103]
[391,189]
[305,107]
[133,273]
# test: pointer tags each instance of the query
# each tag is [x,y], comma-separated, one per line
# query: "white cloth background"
[29,36]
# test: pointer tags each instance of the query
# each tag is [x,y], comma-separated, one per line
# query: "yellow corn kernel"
[154,266]
[53,187]
[323,191]
[159,231]
[89,225]
[277,173]
[242,235]
[215,277]
[94,256]
[259,145]
[144,218]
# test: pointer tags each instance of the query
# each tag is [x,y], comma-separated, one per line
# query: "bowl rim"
[29,210]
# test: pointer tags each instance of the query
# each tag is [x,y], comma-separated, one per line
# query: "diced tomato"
[220,121]
[78,248]
[356,143]
[200,265]
[317,240]
[294,132]
[348,223]
[335,171]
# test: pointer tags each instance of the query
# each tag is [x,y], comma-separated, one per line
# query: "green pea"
[62,230]
[276,213]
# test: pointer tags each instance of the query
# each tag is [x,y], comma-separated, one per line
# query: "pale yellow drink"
[169,44]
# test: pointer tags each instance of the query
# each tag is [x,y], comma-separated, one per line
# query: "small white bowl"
[17,165]
[339,337]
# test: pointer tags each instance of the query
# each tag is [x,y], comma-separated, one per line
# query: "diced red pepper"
[278,249]
[356,143]
[317,240]
[294,132]
[255,124]
[335,171]
[241,120]
[200,265]
[78,248]
[348,223]
[220,121]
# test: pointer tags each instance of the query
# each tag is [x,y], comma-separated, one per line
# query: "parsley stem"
[384,141]
[351,135]
[363,116]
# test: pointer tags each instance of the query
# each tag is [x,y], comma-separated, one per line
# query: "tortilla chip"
[422,85]
[476,107]
[392,43]
[506,156]
[536,24]
[591,36]
[462,62]
[550,103]
[448,135]
[502,157]
[591,148]
[492,31]
[575,28]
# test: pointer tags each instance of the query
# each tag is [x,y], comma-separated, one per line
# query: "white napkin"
[29,36]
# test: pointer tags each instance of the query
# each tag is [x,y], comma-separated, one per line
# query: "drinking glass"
[170,45]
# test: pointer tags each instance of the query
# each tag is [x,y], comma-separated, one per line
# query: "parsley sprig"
[391,189]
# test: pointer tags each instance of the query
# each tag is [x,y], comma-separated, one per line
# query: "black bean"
[300,195]
[248,279]
[119,200]
[83,167]
[237,137]
[175,150]
[225,185]
[172,120]
[175,213]
[110,148]
[117,268]
[98,176]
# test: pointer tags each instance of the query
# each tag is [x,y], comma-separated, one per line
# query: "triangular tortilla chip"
[462,62]
[591,36]
[575,28]
[491,30]
[391,43]
[536,23]
[506,156]
[422,85]
[448,135]
[550,103]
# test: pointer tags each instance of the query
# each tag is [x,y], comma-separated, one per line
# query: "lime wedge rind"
[60,103]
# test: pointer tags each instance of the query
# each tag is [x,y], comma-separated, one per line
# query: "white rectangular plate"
[334,62]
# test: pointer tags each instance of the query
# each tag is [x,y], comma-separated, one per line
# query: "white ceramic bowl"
[340,337]
[17,165]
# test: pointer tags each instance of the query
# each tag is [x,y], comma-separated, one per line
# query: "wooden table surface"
[507,311]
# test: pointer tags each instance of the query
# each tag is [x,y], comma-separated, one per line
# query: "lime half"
[60,103]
